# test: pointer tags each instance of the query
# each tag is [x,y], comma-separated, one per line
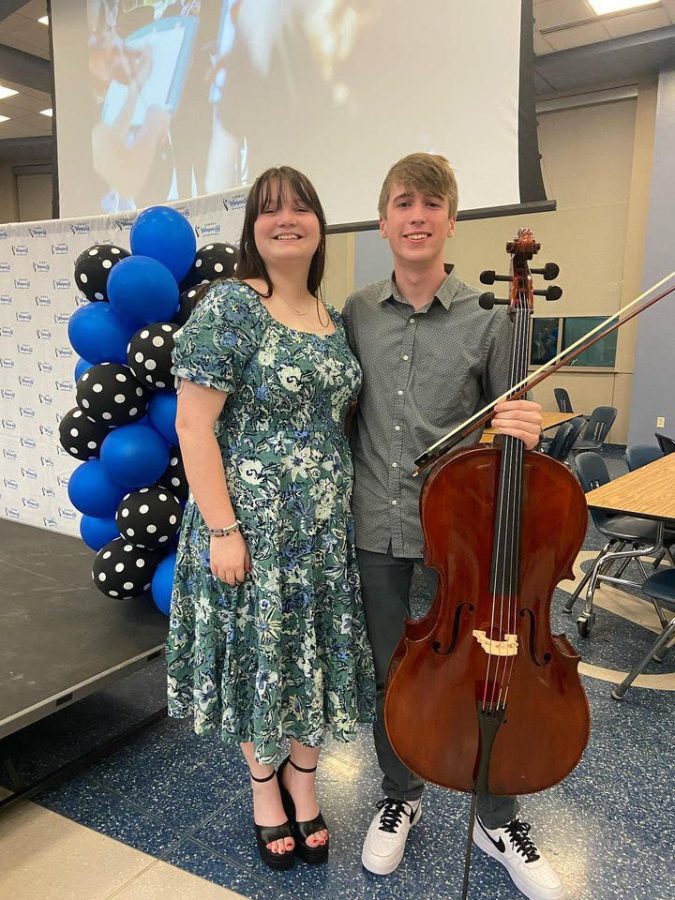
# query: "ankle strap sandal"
[305,829]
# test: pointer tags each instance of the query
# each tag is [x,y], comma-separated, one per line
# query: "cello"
[481,697]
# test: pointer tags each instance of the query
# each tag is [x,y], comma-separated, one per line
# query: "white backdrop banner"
[38,294]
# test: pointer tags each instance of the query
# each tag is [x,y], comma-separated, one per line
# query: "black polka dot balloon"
[174,477]
[149,355]
[79,436]
[187,302]
[211,262]
[108,393]
[149,518]
[92,268]
[123,571]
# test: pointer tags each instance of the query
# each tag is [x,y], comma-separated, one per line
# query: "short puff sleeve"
[219,338]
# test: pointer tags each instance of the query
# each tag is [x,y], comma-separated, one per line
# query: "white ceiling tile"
[637,22]
[34,9]
[561,12]
[577,37]
[541,45]
[11,40]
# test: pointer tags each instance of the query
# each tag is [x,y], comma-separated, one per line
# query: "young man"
[431,357]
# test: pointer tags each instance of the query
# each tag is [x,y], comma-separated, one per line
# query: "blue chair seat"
[625,528]
[661,586]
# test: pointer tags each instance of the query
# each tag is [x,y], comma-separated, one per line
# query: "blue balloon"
[134,456]
[162,583]
[142,290]
[167,236]
[81,367]
[98,334]
[93,492]
[96,533]
[162,415]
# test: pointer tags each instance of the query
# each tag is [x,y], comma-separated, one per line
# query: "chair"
[660,588]
[562,398]
[564,438]
[638,455]
[643,535]
[667,444]
[594,434]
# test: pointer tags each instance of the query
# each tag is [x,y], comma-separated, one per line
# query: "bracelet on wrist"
[223,532]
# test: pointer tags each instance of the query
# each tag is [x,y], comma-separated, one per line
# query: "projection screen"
[160,101]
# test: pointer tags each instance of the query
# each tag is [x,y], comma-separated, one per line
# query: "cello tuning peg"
[488,300]
[553,292]
[489,277]
[550,271]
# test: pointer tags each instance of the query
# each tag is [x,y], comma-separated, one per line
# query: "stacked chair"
[627,538]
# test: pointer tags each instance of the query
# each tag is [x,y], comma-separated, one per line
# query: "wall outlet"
[660,421]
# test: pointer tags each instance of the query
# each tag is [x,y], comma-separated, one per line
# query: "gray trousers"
[385,584]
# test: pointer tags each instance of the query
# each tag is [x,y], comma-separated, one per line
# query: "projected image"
[179,88]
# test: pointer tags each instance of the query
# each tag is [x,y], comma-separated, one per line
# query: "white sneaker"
[385,841]
[529,869]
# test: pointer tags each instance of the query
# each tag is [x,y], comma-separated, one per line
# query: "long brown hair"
[280,179]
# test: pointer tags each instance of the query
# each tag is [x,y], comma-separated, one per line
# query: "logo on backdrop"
[80,227]
[37,231]
[25,349]
[26,380]
[5,267]
[19,250]
[41,266]
[68,514]
[7,394]
[235,201]
[27,442]
[63,353]
[125,224]
[43,300]
[24,317]
[11,484]
[207,230]
[45,367]
[61,318]
[5,300]
[62,284]
[6,363]
[44,334]
[6,331]
[21,284]
[12,513]
[59,249]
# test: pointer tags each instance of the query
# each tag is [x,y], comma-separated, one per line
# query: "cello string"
[499,550]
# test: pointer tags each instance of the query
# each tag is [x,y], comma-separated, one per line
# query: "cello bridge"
[508,647]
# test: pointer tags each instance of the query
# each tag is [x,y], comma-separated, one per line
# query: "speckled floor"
[609,828]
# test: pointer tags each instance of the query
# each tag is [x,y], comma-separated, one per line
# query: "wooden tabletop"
[549,420]
[648,492]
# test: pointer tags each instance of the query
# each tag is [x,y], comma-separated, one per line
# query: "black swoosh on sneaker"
[500,845]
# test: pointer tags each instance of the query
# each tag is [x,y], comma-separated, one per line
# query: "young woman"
[267,637]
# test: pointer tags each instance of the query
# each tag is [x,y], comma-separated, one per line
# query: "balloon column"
[130,486]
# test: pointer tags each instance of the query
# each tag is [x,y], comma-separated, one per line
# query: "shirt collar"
[444,294]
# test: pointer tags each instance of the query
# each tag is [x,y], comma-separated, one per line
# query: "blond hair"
[429,173]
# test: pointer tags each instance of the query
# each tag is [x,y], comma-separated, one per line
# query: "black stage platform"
[60,638]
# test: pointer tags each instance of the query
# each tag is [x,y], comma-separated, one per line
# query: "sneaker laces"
[392,814]
[518,833]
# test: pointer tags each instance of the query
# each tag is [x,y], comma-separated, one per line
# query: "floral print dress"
[285,654]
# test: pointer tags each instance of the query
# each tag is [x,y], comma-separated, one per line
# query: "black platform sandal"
[303,830]
[265,834]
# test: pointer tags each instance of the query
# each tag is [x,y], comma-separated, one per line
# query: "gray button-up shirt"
[424,372]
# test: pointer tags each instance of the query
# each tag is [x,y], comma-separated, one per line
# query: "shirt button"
[397,427]
[394,465]
[394,502]
[405,356]
[410,320]
[400,393]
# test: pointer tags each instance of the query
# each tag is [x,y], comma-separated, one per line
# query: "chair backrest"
[591,470]
[562,398]
[601,420]
[638,455]
[667,444]
[564,438]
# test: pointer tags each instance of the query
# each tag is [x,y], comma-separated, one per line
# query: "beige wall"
[338,281]
[8,199]
[596,162]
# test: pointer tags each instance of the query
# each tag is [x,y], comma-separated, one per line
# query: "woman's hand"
[230,560]
[519,418]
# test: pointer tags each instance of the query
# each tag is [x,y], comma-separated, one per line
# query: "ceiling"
[560,25]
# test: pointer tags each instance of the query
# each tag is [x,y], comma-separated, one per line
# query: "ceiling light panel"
[603,7]
[6,92]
